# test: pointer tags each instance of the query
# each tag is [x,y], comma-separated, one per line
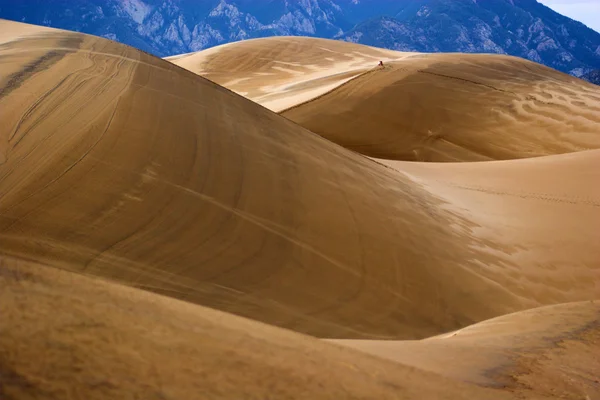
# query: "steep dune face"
[420,107]
[549,351]
[280,72]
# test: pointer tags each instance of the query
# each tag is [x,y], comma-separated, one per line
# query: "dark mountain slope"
[522,28]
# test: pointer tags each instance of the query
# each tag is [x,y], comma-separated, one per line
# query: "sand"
[458,108]
[211,243]
[420,107]
[280,72]
[550,351]
[98,340]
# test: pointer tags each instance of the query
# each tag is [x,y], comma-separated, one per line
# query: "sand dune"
[424,107]
[550,351]
[280,72]
[528,212]
[97,340]
[121,166]
[458,108]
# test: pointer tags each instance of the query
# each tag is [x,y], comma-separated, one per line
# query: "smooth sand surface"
[118,165]
[531,210]
[420,107]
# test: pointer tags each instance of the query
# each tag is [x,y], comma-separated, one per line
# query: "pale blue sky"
[586,11]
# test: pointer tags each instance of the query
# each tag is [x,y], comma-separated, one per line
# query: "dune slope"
[550,351]
[539,216]
[458,108]
[280,72]
[118,164]
[124,166]
[424,107]
[97,340]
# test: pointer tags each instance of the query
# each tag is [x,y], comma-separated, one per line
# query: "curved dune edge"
[457,107]
[530,208]
[549,351]
[281,72]
[98,340]
[258,217]
[420,107]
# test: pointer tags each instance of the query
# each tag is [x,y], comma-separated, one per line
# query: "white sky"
[586,11]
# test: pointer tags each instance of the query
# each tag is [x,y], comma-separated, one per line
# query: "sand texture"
[162,237]
[419,107]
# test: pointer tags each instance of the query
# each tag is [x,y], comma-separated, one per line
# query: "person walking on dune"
[381,64]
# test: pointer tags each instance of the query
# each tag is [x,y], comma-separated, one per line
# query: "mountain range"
[523,28]
[593,76]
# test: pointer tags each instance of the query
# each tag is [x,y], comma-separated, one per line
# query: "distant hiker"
[381,64]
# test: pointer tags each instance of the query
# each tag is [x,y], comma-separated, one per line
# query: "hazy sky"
[586,11]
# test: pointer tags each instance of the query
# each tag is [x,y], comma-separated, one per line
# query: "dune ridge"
[419,107]
[280,72]
[145,208]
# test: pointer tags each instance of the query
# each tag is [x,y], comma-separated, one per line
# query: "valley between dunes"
[163,237]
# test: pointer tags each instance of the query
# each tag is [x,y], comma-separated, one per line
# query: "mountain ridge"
[523,28]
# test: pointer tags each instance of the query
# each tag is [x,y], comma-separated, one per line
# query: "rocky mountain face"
[593,76]
[168,27]
[523,28]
